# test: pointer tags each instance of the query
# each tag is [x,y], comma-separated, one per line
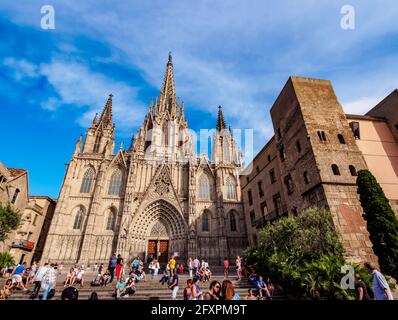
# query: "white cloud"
[229,54]
[360,106]
[76,84]
[21,69]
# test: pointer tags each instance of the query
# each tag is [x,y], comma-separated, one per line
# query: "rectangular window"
[298,146]
[272,175]
[264,210]
[249,194]
[289,184]
[282,152]
[355,129]
[260,189]
[277,204]
[253,218]
[34,220]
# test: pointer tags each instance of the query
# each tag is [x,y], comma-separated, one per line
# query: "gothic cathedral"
[157,197]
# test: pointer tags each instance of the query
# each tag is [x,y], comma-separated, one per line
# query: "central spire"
[220,120]
[168,93]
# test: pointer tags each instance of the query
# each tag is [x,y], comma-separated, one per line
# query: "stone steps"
[146,290]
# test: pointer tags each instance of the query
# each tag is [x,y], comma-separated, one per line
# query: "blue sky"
[226,52]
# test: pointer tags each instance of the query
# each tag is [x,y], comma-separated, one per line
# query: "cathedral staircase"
[146,290]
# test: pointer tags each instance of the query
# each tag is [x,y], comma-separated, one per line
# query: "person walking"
[361,288]
[112,266]
[190,267]
[238,263]
[174,285]
[32,273]
[37,280]
[156,268]
[172,265]
[195,265]
[381,289]
[49,281]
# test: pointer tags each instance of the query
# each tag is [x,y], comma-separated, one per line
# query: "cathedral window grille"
[110,222]
[204,187]
[15,196]
[205,221]
[88,179]
[231,189]
[232,221]
[79,219]
[115,183]
[97,144]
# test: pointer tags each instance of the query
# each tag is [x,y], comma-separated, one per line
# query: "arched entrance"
[160,230]
[158,242]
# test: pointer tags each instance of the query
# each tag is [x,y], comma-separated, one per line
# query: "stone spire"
[106,116]
[182,112]
[168,93]
[220,120]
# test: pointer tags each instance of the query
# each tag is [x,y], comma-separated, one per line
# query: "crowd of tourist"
[36,277]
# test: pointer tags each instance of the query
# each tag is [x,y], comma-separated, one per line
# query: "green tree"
[6,260]
[381,222]
[10,219]
[304,255]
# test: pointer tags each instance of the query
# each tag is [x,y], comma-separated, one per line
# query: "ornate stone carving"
[162,183]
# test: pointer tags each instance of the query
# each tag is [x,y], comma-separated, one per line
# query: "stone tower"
[311,127]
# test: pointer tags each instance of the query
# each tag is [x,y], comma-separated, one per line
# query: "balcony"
[23,244]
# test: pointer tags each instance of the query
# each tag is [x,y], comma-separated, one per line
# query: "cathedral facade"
[156,197]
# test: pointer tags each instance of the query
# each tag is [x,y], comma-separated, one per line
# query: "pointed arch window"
[165,130]
[204,187]
[231,188]
[87,182]
[227,156]
[111,219]
[232,221]
[115,183]
[205,221]
[79,218]
[97,144]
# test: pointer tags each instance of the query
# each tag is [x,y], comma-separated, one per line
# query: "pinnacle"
[220,120]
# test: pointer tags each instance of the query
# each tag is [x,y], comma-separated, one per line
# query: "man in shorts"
[17,275]
[174,285]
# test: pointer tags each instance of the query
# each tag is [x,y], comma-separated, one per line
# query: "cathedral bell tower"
[100,136]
